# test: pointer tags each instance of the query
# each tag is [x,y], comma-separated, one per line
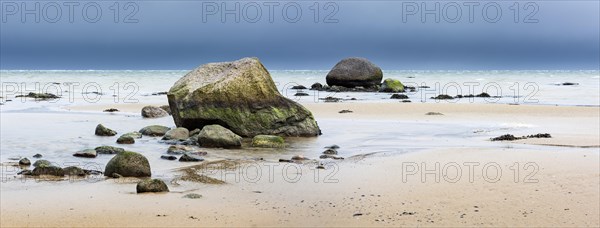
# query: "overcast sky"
[185,34]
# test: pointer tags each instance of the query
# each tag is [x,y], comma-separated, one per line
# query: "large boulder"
[353,72]
[240,96]
[153,112]
[128,164]
[218,136]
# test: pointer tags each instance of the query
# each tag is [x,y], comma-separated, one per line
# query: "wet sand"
[537,186]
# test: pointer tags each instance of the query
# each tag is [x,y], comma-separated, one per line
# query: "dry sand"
[555,187]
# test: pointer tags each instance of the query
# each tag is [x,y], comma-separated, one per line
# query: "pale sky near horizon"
[184,34]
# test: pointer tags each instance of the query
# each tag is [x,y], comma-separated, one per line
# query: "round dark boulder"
[151,185]
[24,161]
[40,163]
[128,164]
[316,86]
[353,72]
[125,139]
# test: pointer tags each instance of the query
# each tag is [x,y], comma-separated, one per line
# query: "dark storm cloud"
[184,34]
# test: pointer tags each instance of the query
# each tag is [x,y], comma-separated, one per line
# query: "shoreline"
[370,190]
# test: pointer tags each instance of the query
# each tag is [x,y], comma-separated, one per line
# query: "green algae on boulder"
[240,96]
[268,141]
[391,86]
[128,164]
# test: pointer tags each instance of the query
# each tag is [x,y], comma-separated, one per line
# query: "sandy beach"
[512,185]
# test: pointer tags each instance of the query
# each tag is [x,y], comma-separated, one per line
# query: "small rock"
[268,141]
[406,101]
[41,163]
[285,160]
[316,86]
[168,157]
[398,96]
[89,153]
[74,171]
[134,134]
[218,136]
[181,149]
[298,87]
[301,94]
[48,170]
[190,158]
[541,135]
[192,196]
[109,150]
[507,137]
[569,83]
[434,114]
[111,110]
[24,161]
[483,95]
[37,156]
[330,151]
[153,112]
[320,167]
[125,139]
[299,158]
[101,130]
[443,97]
[326,156]
[345,111]
[331,99]
[179,133]
[41,96]
[335,147]
[151,185]
[154,130]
